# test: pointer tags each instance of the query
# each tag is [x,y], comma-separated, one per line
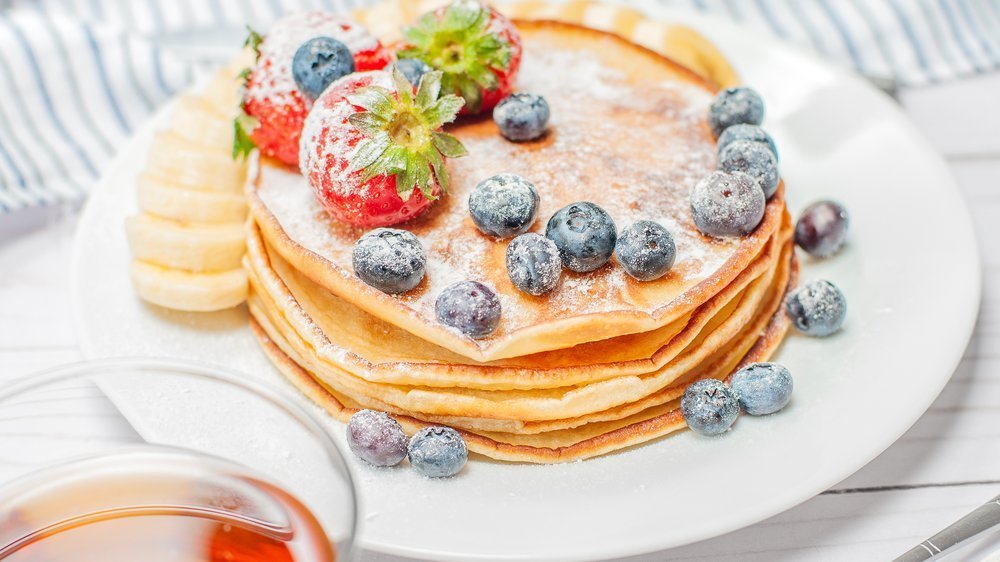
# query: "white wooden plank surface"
[947,464]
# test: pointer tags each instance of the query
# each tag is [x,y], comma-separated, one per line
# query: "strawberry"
[273,107]
[373,149]
[476,47]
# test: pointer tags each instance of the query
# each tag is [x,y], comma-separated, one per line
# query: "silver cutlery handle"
[982,519]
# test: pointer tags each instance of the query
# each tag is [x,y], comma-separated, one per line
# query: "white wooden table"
[948,463]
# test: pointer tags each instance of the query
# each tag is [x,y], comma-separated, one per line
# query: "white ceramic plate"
[911,274]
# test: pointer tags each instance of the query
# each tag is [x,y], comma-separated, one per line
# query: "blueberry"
[754,158]
[438,452]
[470,307]
[504,205]
[735,106]
[709,406]
[817,309]
[318,63]
[822,229]
[584,234]
[762,388]
[376,438]
[725,204]
[646,250]
[522,116]
[412,69]
[390,260]
[744,131]
[533,263]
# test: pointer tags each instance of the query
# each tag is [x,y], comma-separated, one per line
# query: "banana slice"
[223,93]
[192,246]
[164,198]
[194,166]
[195,120]
[184,290]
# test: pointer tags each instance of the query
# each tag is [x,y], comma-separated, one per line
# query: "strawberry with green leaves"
[373,149]
[476,48]
[274,108]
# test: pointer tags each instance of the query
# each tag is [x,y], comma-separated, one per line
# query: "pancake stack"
[598,364]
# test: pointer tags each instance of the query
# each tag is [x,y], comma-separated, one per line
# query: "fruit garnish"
[762,388]
[372,148]
[709,407]
[585,235]
[817,309]
[318,63]
[469,307]
[273,105]
[477,49]
[522,116]
[402,136]
[822,229]
[645,250]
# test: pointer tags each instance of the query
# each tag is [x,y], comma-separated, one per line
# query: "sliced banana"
[184,290]
[223,93]
[196,247]
[161,197]
[194,119]
[192,165]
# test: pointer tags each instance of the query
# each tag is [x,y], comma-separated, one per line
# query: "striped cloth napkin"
[78,76]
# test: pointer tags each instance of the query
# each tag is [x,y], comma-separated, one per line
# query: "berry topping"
[477,48]
[725,204]
[413,69]
[392,261]
[709,407]
[762,388]
[438,452]
[817,309]
[376,438]
[753,158]
[744,131]
[584,234]
[645,250]
[734,106]
[274,108]
[533,263]
[504,205]
[822,229]
[470,307]
[318,62]
[522,117]
[373,150]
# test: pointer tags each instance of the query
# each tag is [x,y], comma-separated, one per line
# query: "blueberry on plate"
[470,307]
[817,309]
[745,131]
[727,204]
[504,205]
[755,159]
[645,250]
[376,438]
[412,69]
[533,264]
[391,260]
[709,407]
[318,63]
[762,388]
[584,234]
[822,229]
[522,116]
[438,452]
[735,106]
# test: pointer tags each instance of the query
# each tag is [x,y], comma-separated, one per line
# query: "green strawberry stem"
[243,124]
[402,136]
[461,47]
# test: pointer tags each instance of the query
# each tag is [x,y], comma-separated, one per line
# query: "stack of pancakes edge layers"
[596,366]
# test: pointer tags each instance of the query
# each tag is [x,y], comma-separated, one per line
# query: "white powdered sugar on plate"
[634,148]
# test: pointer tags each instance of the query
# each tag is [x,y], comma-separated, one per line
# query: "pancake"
[609,98]
[563,445]
[745,315]
[377,351]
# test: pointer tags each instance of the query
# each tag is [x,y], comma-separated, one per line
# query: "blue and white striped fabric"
[78,76]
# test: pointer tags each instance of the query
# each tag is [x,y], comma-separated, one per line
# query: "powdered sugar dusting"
[273,79]
[634,148]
